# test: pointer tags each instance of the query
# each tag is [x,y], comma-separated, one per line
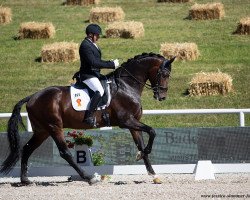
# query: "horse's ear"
[170,61]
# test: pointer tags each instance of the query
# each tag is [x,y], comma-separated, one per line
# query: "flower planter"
[83,155]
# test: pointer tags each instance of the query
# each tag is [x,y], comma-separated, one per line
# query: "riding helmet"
[94,29]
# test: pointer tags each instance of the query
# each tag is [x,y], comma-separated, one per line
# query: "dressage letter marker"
[81,156]
[204,170]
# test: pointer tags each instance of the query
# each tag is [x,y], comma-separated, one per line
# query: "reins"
[146,85]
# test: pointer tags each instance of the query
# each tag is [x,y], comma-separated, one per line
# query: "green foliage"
[84,140]
[78,138]
[21,75]
[98,159]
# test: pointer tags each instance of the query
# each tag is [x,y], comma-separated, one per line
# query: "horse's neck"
[137,71]
[134,75]
[131,79]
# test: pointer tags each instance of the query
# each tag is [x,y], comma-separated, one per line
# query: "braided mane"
[131,60]
[141,56]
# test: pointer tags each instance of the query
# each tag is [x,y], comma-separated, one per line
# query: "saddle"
[81,95]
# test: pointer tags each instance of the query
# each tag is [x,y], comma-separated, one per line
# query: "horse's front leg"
[137,136]
[138,139]
[152,134]
[134,124]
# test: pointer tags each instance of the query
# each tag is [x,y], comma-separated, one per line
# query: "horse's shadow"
[44,183]
[47,183]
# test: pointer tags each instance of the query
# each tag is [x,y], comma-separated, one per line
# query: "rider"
[91,64]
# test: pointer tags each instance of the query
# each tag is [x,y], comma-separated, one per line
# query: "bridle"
[157,88]
[160,71]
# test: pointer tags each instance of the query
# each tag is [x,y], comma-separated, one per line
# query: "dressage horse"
[50,111]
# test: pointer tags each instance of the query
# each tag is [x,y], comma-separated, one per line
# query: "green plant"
[78,138]
[98,158]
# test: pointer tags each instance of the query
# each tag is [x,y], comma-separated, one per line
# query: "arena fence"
[241,113]
[176,150]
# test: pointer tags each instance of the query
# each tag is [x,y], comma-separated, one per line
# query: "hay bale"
[82,2]
[106,14]
[175,1]
[243,27]
[211,83]
[182,51]
[36,30]
[60,52]
[128,29]
[207,11]
[5,15]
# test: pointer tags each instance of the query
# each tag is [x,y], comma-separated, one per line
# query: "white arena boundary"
[140,169]
[129,170]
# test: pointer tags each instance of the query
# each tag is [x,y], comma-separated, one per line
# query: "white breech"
[94,84]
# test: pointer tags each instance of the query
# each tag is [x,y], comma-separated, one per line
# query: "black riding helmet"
[94,29]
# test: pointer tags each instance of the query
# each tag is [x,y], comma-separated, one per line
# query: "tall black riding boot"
[89,119]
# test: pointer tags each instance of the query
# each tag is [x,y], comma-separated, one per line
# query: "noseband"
[158,88]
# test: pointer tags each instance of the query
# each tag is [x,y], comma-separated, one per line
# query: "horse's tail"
[13,137]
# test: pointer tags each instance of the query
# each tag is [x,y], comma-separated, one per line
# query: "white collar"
[93,43]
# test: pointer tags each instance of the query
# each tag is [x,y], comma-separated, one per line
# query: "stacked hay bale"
[36,30]
[211,83]
[128,29]
[60,52]
[5,15]
[182,51]
[207,11]
[243,27]
[82,2]
[175,1]
[106,14]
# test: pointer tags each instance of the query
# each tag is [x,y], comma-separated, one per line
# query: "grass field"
[22,75]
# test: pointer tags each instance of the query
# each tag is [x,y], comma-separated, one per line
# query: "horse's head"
[159,78]
[147,66]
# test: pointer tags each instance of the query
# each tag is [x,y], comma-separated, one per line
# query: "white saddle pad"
[80,98]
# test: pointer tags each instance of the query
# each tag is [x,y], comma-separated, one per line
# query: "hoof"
[26,181]
[105,178]
[95,179]
[157,180]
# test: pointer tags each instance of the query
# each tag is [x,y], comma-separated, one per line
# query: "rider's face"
[95,38]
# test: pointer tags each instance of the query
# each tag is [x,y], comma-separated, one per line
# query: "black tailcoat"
[91,63]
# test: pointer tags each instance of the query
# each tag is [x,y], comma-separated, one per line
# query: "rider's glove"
[116,62]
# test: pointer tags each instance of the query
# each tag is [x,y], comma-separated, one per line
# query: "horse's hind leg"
[65,154]
[36,140]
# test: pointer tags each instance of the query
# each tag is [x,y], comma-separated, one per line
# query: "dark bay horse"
[50,110]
